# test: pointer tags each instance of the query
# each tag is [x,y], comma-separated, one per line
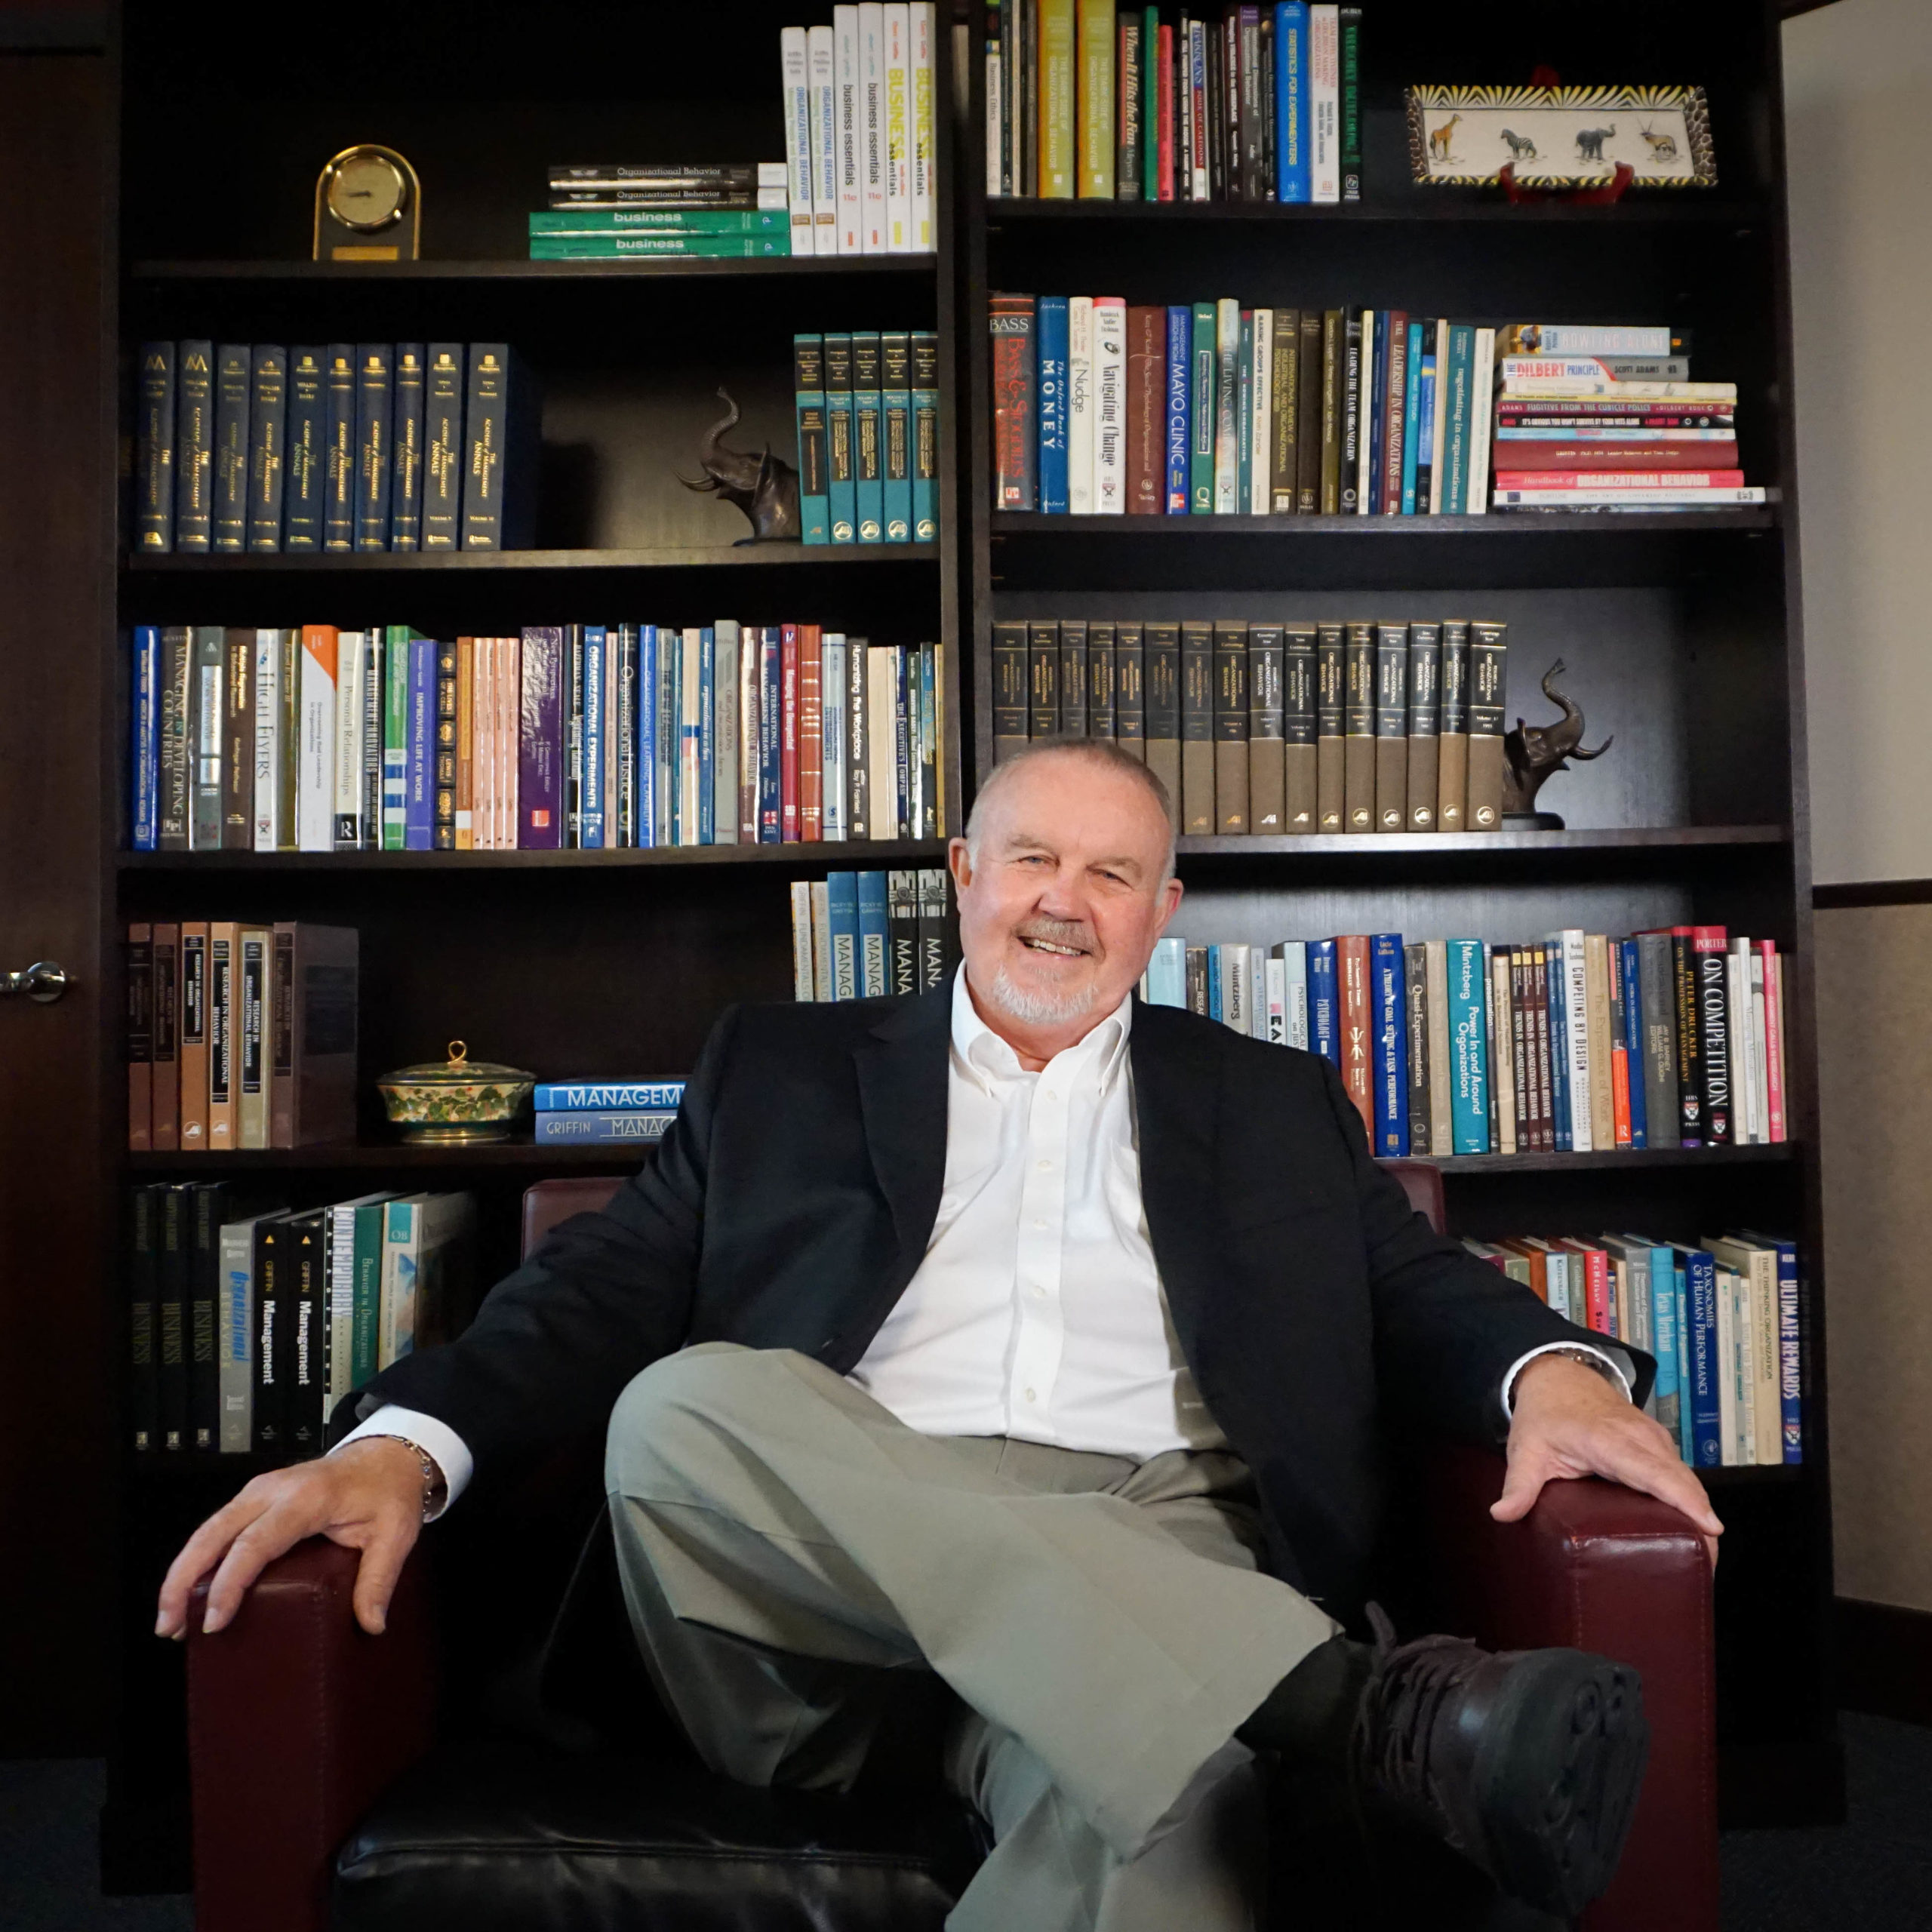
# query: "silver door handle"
[44,981]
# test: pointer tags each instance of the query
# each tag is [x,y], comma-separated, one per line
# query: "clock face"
[366,192]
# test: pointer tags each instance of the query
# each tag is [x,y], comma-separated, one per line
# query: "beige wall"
[1857,76]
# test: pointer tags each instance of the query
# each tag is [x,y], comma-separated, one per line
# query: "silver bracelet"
[433,1478]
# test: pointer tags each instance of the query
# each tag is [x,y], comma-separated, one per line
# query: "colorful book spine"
[375,405]
[1468,1031]
[1391,1057]
[896,434]
[1707,1366]
[540,740]
[418,804]
[842,507]
[1051,394]
[1203,411]
[1179,342]
[591,811]
[1324,1008]
[1293,179]
[925,421]
[609,1125]
[808,389]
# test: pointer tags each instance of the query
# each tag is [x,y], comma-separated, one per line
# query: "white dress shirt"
[1037,1311]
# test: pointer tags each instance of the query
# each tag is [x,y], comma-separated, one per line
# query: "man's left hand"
[1570,1421]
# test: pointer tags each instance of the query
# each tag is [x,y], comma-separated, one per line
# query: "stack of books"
[861,130]
[1608,419]
[1721,1317]
[604,212]
[1577,1043]
[871,935]
[240,1034]
[868,422]
[583,737]
[249,1326]
[1296,728]
[342,446]
[1255,103]
[595,1113]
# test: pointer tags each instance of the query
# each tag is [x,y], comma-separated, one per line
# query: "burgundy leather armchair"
[303,1733]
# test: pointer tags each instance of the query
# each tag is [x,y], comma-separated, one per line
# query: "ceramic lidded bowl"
[456,1100]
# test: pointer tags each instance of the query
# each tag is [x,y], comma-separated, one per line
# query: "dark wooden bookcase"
[563,962]
[1682,634]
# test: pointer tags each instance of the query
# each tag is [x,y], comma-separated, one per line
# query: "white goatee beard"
[1039,1009]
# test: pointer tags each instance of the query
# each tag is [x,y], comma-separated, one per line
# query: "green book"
[673,221]
[395,734]
[611,248]
[365,1290]
[1150,96]
[1458,426]
[1201,413]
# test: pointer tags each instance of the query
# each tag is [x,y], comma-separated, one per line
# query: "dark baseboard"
[1884,1659]
[1875,892]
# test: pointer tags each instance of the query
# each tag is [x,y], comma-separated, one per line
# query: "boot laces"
[1396,1724]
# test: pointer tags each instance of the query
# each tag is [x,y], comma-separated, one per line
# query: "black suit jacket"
[795,1194]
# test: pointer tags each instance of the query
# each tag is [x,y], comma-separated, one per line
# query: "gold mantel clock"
[369,207]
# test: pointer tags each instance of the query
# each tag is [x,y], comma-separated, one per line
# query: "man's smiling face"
[1062,896]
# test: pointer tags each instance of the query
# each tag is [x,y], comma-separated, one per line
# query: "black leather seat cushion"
[502,1838]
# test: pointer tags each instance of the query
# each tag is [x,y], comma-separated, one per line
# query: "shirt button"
[1051,1095]
[1046,1167]
[1039,1221]
[1029,1394]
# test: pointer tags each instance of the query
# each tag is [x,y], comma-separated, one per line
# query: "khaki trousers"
[790,1549]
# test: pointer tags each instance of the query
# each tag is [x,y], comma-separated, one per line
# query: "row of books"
[861,130]
[240,1034]
[248,1323]
[604,211]
[1261,103]
[1578,1043]
[342,446]
[605,1112]
[1273,728]
[871,935]
[868,422]
[586,737]
[1720,1315]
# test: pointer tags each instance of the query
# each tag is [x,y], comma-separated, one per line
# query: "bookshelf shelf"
[1511,523]
[521,1154]
[666,557]
[1442,205]
[884,854]
[1406,845]
[657,268]
[1644,1159]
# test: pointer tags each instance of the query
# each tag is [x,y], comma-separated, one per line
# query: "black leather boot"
[1528,1762]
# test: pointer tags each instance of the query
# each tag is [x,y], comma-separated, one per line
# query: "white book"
[871,126]
[1294,967]
[342,1291]
[795,78]
[1738,1008]
[847,122]
[235,1337]
[1364,461]
[1261,467]
[1254,972]
[1324,102]
[1110,405]
[1725,1296]
[1556,1280]
[1441,1128]
[1227,422]
[351,667]
[746,806]
[268,740]
[898,128]
[611,680]
[1760,1042]
[995,156]
[1276,969]
[821,81]
[925,127]
[690,689]
[1756,1267]
[1439,430]
[314,720]
[727,644]
[1234,987]
[801,940]
[1567,949]
[882,799]
[832,688]
[1482,420]
[821,941]
[1744,1332]
[509,709]
[373,773]
[1081,411]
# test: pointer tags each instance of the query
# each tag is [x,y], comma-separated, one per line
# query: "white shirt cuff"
[437,1441]
[1611,1364]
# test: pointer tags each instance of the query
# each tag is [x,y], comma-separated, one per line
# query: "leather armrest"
[297,1719]
[1606,1569]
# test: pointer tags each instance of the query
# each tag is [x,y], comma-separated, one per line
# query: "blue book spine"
[304,477]
[770,743]
[1687,1433]
[896,433]
[874,975]
[1167,974]
[1390,987]
[869,436]
[1180,337]
[707,735]
[339,458]
[1663,1321]
[592,805]
[1215,1008]
[1050,335]
[406,449]
[419,817]
[1426,423]
[1375,409]
[1244,414]
[841,901]
[808,397]
[647,734]
[144,771]
[609,1125]
[1324,1030]
[841,489]
[1790,1394]
[1633,1041]
[1291,170]
[375,410]
[1558,1006]
[1469,1047]
[1411,417]
[925,436]
[1700,1282]
[582,1095]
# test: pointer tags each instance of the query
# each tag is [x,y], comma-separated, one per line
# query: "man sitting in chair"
[1033,1336]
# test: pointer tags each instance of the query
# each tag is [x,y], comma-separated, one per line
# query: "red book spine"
[1357,1024]
[787,743]
[1596,1287]
[1146,412]
[140,1038]
[1015,430]
[1718,1033]
[811,736]
[1539,457]
[165,1102]
[1395,403]
[1164,125]
[1774,1103]
[1619,479]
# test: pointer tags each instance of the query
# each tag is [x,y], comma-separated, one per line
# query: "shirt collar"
[978,1051]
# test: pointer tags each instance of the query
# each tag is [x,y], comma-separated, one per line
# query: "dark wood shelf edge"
[887,854]
[1681,208]
[1777,1154]
[667,557]
[1512,523]
[655,268]
[1425,845]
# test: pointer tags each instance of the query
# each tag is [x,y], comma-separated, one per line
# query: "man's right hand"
[367,1496]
